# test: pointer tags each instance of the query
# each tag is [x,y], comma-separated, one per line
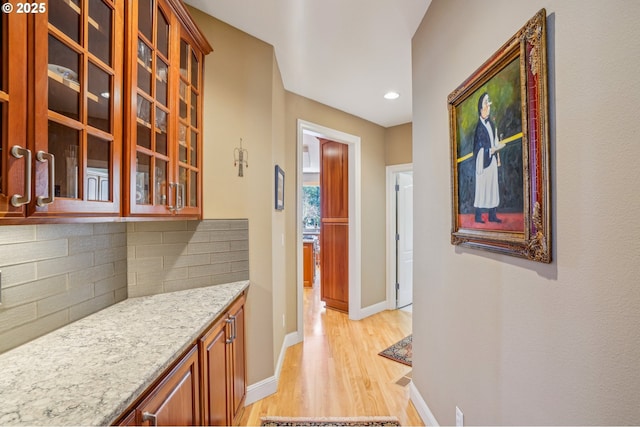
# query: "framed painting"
[498,125]
[279,189]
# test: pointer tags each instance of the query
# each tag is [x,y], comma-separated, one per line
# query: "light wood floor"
[337,372]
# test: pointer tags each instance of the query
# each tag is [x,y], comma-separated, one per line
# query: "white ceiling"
[343,53]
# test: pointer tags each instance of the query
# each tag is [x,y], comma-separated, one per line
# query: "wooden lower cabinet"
[207,386]
[222,356]
[175,400]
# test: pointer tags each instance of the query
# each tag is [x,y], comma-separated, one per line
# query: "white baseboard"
[371,310]
[421,406]
[260,390]
[269,386]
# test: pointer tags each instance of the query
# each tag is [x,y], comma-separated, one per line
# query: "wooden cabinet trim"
[189,24]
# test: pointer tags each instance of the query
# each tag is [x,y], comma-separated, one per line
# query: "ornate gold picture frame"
[498,124]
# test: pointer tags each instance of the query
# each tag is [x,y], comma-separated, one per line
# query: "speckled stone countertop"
[90,371]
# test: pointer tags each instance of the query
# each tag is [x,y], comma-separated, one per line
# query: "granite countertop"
[90,371]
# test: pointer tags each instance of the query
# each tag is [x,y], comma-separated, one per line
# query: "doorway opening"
[400,236]
[353,142]
[311,217]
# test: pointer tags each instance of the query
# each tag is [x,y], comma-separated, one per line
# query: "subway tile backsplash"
[177,255]
[53,274]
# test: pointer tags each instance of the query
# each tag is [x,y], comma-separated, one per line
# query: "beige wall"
[398,144]
[507,340]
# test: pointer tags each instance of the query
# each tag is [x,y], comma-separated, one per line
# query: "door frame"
[392,171]
[355,220]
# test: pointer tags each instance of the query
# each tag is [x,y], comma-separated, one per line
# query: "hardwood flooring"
[337,372]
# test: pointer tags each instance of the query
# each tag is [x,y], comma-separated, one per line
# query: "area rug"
[402,351]
[329,421]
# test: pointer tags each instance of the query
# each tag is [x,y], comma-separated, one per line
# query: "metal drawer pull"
[148,416]
[47,157]
[18,200]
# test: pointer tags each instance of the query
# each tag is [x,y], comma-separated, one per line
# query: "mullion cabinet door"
[189,128]
[150,180]
[77,100]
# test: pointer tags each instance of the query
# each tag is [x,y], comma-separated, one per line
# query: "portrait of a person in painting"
[486,146]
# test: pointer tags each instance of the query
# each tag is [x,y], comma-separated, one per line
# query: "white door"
[404,239]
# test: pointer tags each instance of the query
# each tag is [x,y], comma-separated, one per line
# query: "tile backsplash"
[177,255]
[53,274]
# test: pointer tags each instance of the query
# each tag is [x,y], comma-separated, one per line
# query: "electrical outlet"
[459,417]
[283,323]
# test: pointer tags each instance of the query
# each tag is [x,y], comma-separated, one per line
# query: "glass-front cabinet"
[165,113]
[79,51]
[96,125]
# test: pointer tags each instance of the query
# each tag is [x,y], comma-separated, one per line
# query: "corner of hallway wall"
[398,144]
[283,222]
[238,103]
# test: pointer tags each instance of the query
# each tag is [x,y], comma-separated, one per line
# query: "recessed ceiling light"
[391,95]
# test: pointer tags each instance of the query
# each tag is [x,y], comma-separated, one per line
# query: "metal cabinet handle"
[172,208]
[47,157]
[148,416]
[229,321]
[18,200]
[234,328]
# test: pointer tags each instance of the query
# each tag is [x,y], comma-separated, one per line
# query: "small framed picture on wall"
[279,189]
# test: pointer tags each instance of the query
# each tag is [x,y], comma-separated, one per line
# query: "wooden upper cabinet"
[164,115]
[96,126]
[69,111]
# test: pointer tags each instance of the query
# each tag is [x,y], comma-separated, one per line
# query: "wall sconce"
[241,159]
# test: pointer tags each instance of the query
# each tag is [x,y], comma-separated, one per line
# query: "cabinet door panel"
[215,368]
[239,364]
[153,28]
[189,119]
[176,400]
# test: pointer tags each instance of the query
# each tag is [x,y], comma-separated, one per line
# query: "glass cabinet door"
[15,184]
[150,183]
[79,50]
[189,128]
